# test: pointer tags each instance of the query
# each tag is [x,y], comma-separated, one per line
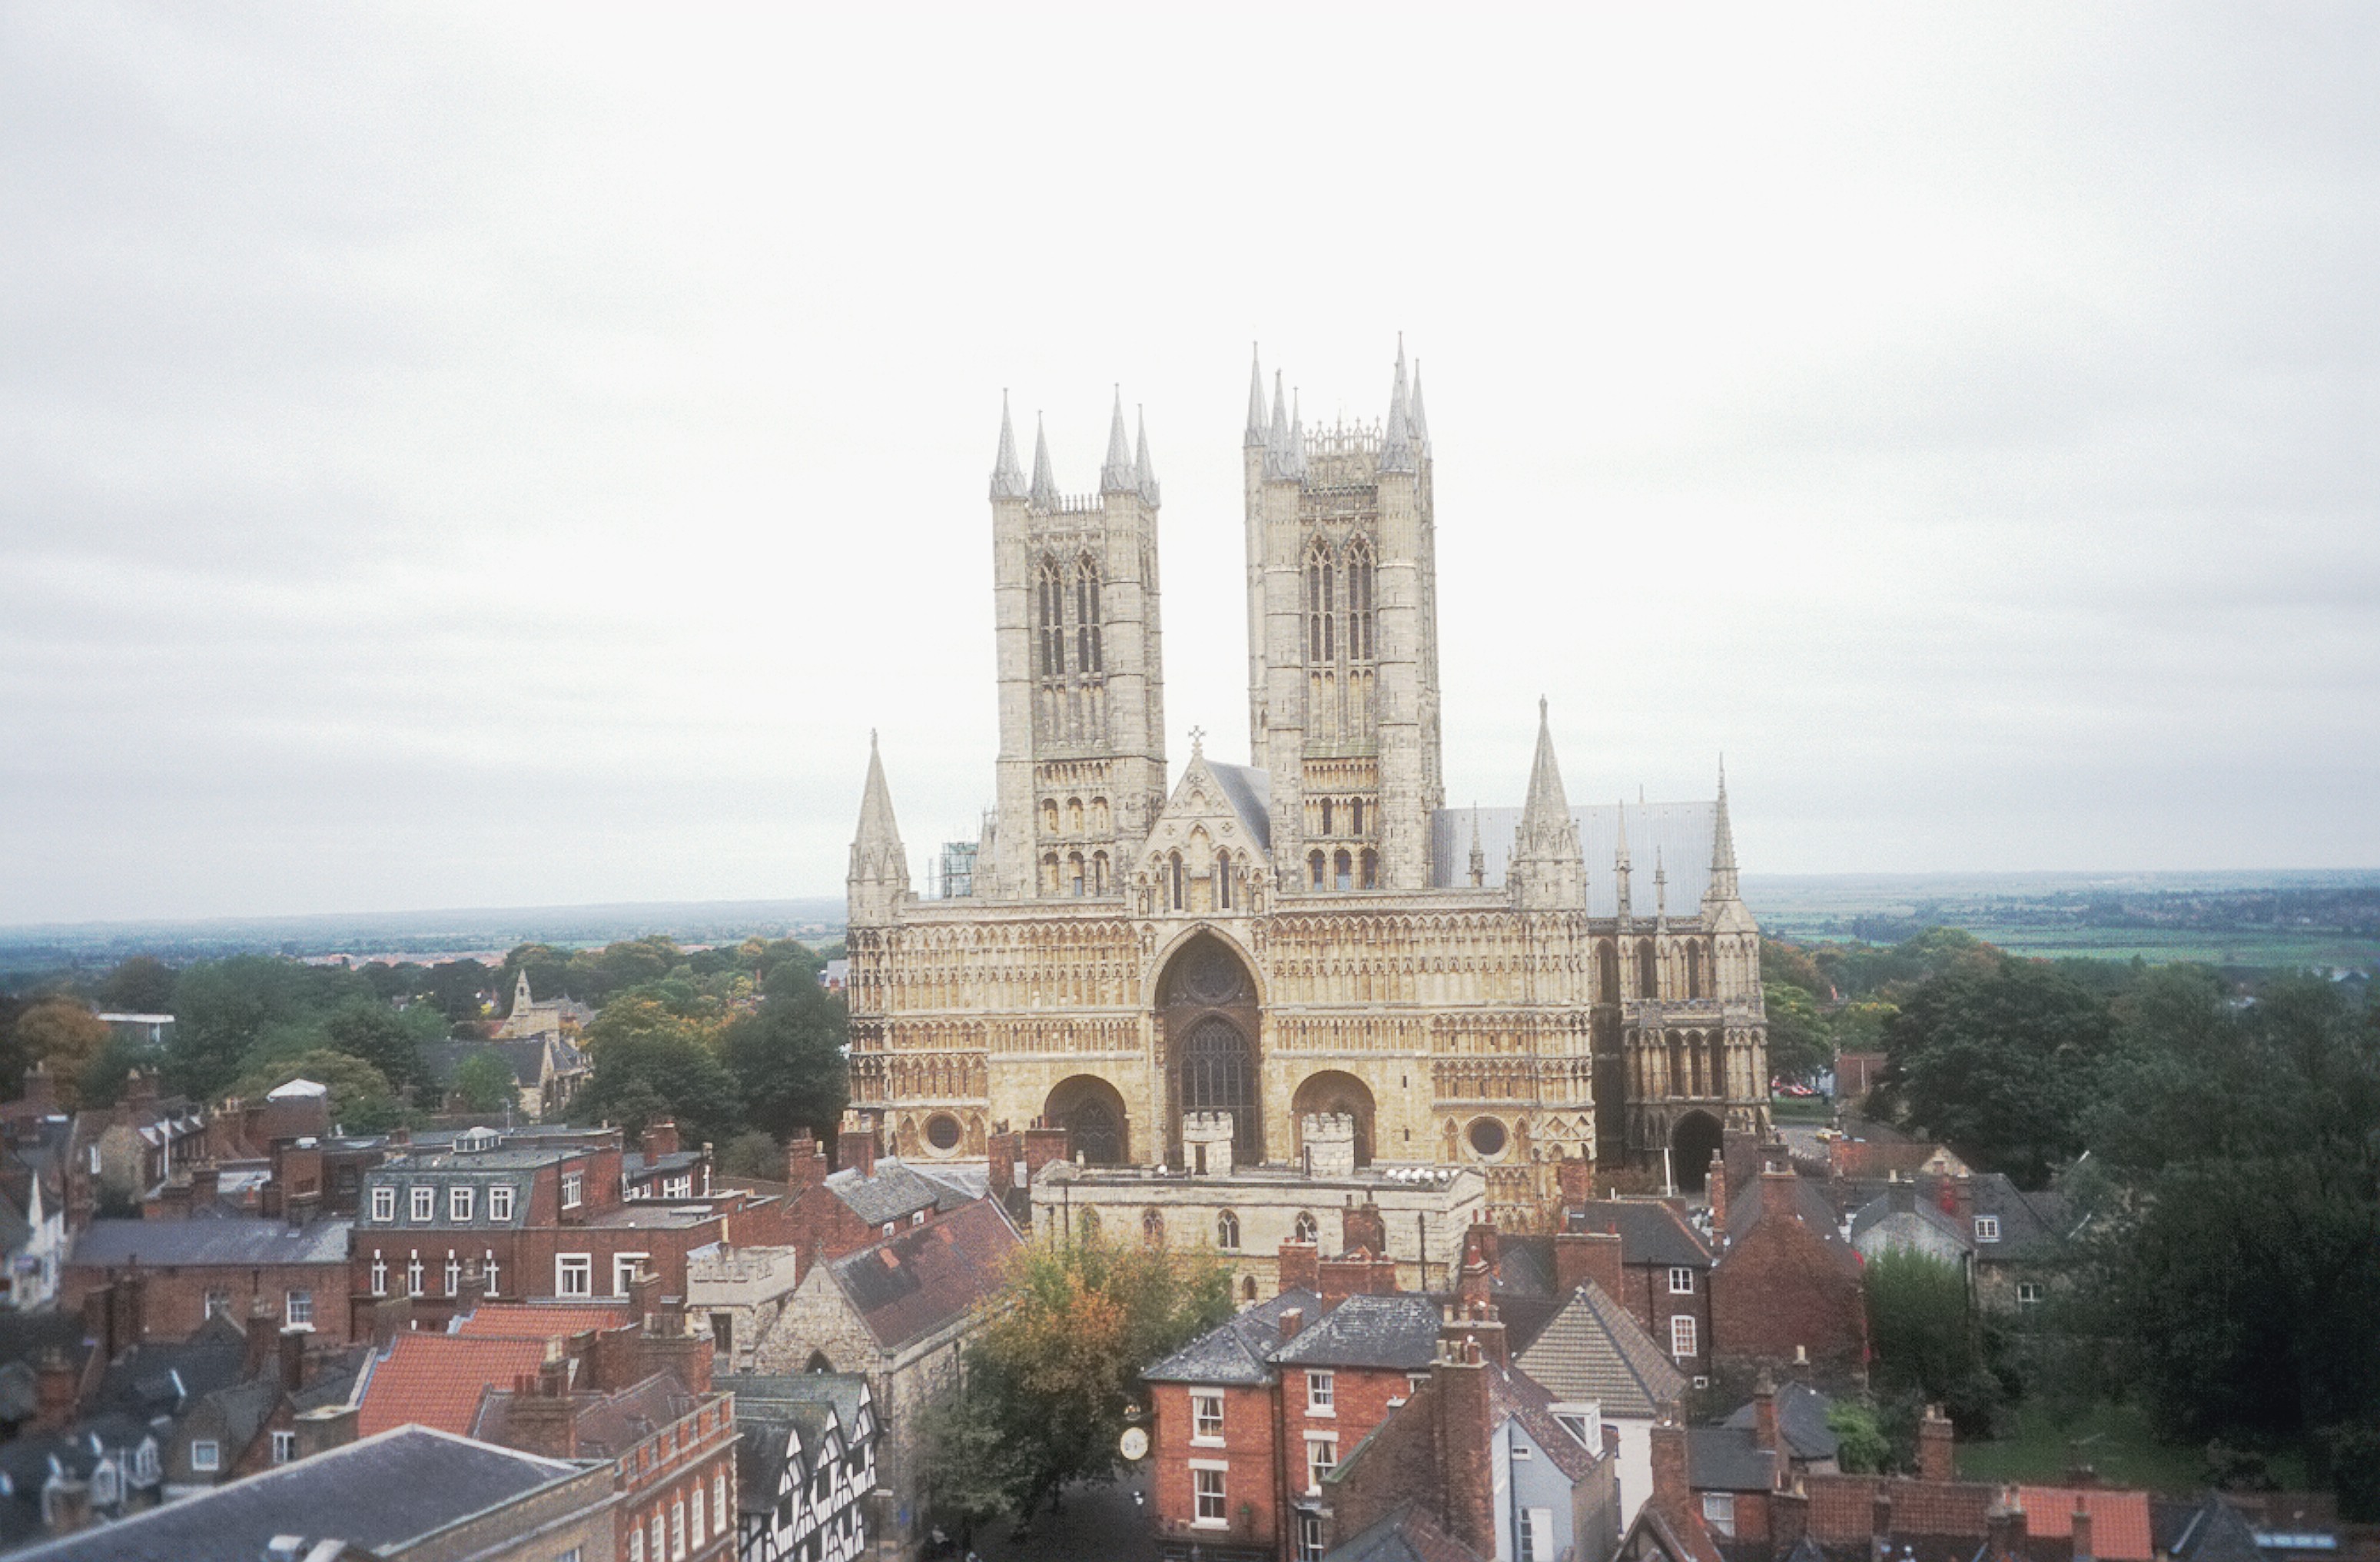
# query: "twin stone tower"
[1312,935]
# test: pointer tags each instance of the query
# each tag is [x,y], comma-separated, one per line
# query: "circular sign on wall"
[1134,1444]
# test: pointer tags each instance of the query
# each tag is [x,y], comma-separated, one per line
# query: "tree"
[1923,1331]
[2238,1273]
[1799,1041]
[644,1076]
[755,1155]
[380,1037]
[64,1036]
[225,1008]
[1861,1446]
[1058,1360]
[484,1081]
[143,984]
[360,1099]
[1999,1059]
[788,1060]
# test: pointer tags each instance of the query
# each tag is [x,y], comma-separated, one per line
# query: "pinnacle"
[1007,477]
[1143,474]
[1420,422]
[1255,435]
[1546,806]
[1397,442]
[877,826]
[1045,487]
[1116,475]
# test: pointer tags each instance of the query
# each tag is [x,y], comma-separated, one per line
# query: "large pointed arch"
[1207,1014]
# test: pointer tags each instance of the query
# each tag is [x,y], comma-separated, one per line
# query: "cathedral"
[1312,938]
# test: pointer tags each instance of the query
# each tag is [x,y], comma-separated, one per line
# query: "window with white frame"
[1310,1536]
[379,1274]
[2028,1293]
[297,1308]
[1682,1280]
[205,1454]
[1719,1512]
[384,1203]
[1321,1458]
[1206,1490]
[499,1201]
[413,1273]
[1206,1417]
[574,1274]
[1681,1335]
[694,1517]
[284,1446]
[1987,1228]
[624,1269]
[677,1530]
[218,1302]
[425,1204]
[719,1497]
[453,1274]
[1537,1538]
[1227,1231]
[488,1270]
[661,1536]
[1322,1394]
[458,1204]
[574,1189]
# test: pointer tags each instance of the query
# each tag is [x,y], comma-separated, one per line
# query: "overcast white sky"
[466,457]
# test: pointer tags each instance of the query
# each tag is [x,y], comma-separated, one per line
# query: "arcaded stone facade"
[1314,933]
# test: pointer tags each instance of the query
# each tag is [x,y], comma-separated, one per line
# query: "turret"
[879,881]
[1549,872]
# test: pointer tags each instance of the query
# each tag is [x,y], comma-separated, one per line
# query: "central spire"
[1116,474]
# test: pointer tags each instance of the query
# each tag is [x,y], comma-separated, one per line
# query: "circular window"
[1487,1137]
[943,1132]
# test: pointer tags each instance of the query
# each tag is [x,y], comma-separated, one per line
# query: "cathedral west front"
[1315,936]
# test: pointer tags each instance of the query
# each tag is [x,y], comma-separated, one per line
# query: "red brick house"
[1661,1271]
[1785,1292]
[191,1270]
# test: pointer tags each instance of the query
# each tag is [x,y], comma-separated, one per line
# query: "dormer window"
[499,1201]
[1987,1228]
[425,1204]
[383,1203]
[574,1189]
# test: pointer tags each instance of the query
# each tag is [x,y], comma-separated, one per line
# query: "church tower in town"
[1081,771]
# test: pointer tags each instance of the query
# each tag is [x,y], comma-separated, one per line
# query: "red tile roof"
[435,1379]
[2119,1521]
[516,1320]
[1842,1508]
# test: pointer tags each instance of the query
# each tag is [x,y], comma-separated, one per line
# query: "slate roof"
[436,1380]
[1398,1331]
[531,1320]
[1523,1285]
[380,1494]
[1907,1226]
[2120,1530]
[26,1337]
[1235,1351]
[1680,832]
[896,1192]
[1593,1350]
[608,1425]
[845,1392]
[1679,1531]
[1405,1534]
[1726,1459]
[526,1057]
[771,1409]
[921,1280]
[1794,1198]
[1801,1416]
[1650,1232]
[1518,1396]
[1249,791]
[161,1377]
[2207,1529]
[234,1240]
[2033,1225]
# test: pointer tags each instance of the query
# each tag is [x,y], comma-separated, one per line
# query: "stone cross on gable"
[1198,740]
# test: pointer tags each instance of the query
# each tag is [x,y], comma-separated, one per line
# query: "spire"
[1277,438]
[1116,475]
[1296,439]
[1007,477]
[1144,476]
[1478,858]
[1722,879]
[1420,422]
[1255,435]
[1045,487]
[1620,864]
[1548,871]
[879,864]
[1397,453]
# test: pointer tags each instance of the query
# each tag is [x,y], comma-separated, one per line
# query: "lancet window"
[1050,596]
[1089,657]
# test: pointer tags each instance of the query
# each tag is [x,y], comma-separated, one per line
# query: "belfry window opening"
[1088,655]
[1051,593]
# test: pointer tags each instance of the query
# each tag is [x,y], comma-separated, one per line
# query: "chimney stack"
[659,1139]
[325,1427]
[1669,1446]
[1464,1424]
[854,1147]
[2083,1538]
[1936,1446]
[1300,1266]
[2003,1528]
[1292,1320]
[1362,1226]
[1581,1256]
[292,1344]
[54,1391]
[263,1339]
[1767,1431]
[805,1161]
[1715,1185]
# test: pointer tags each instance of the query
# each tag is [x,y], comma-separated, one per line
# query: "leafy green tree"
[754,1154]
[224,1008]
[380,1037]
[360,1099]
[1998,1059]
[643,1076]
[1861,1446]
[1923,1330]
[2238,1272]
[1057,1362]
[788,1061]
[1800,1043]
[484,1082]
[142,984]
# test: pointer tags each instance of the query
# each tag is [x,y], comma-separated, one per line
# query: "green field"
[2115,1440]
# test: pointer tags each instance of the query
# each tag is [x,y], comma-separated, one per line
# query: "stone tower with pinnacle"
[1342,639]
[1081,771]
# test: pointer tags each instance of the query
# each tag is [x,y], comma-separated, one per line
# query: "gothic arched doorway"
[1332,1090]
[1206,1011]
[1692,1140]
[1091,1111]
